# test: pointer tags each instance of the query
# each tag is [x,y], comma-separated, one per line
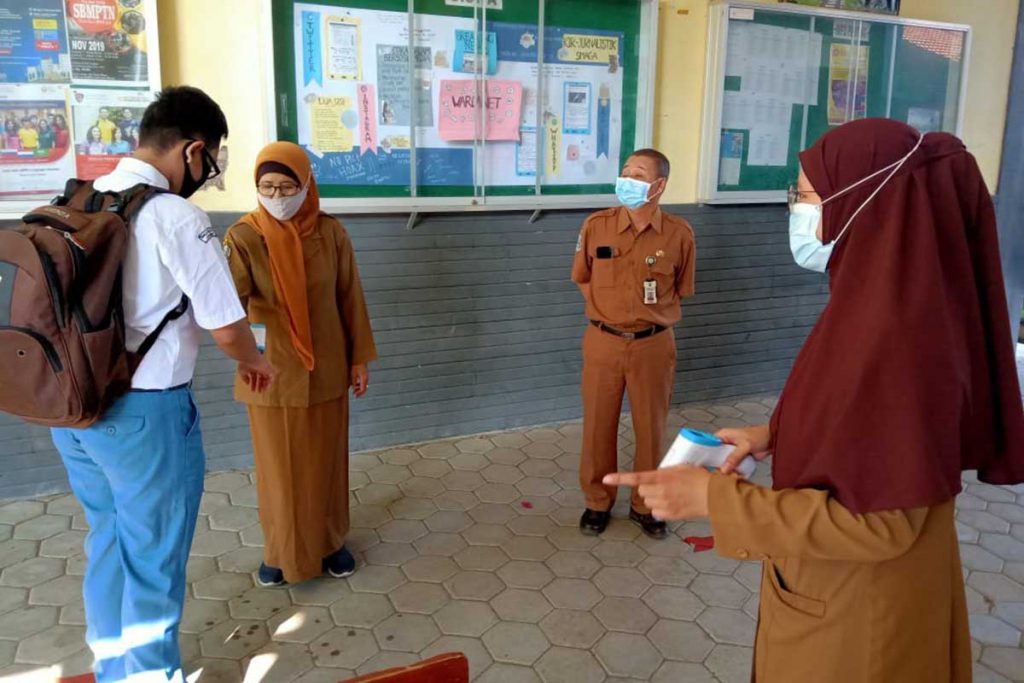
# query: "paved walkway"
[469,545]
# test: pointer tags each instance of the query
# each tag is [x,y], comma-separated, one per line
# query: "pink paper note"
[458,118]
[367,96]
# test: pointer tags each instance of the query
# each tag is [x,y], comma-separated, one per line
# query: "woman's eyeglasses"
[793,195]
[285,189]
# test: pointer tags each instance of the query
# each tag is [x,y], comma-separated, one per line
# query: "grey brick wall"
[479,328]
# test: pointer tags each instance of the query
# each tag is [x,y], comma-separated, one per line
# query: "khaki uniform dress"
[300,425]
[872,598]
[613,259]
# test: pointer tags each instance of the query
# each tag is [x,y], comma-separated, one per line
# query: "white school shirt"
[172,250]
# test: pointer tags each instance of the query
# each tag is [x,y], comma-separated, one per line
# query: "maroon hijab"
[909,375]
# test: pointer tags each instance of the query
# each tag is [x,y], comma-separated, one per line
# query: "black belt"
[639,334]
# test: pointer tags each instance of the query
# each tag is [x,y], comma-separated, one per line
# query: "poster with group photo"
[35,149]
[108,42]
[33,42]
[106,125]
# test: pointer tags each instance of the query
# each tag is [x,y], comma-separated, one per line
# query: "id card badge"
[259,332]
[650,292]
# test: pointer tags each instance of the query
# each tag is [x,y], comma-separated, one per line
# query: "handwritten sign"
[589,49]
[459,118]
[367,100]
[329,133]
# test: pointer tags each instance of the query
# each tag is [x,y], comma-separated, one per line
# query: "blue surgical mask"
[808,251]
[632,193]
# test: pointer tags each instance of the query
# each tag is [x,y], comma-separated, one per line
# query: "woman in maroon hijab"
[907,379]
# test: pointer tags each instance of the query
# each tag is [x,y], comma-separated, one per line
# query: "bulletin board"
[456,104]
[75,78]
[781,77]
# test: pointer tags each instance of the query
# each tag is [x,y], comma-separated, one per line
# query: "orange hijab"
[284,243]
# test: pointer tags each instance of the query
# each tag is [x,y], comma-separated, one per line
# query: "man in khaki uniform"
[633,265]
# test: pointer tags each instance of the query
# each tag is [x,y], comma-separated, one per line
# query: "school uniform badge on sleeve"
[227,250]
[579,242]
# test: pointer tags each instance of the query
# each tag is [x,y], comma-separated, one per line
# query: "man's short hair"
[663,166]
[182,113]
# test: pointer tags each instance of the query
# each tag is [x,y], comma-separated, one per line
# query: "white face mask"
[284,208]
[804,219]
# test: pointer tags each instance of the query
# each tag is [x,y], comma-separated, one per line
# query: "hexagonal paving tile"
[32,572]
[244,497]
[671,602]
[516,643]
[430,569]
[202,615]
[474,445]
[222,586]
[259,604]
[319,592]
[730,663]
[226,482]
[252,537]
[406,632]
[390,554]
[13,552]
[621,582]
[389,474]
[528,548]
[233,518]
[516,604]
[469,462]
[624,654]
[61,591]
[215,543]
[562,664]
[1008,548]
[572,628]
[497,493]
[11,598]
[465,618]
[983,521]
[996,586]
[628,615]
[419,598]
[680,640]
[481,558]
[278,662]
[20,511]
[449,521]
[989,630]
[676,672]
[344,647]
[20,623]
[978,559]
[729,626]
[51,646]
[471,585]
[668,571]
[524,574]
[719,591]
[532,526]
[402,531]
[412,508]
[380,580]
[493,513]
[234,639]
[619,553]
[65,544]
[361,610]
[573,594]
[456,500]
[386,660]
[443,544]
[486,534]
[472,648]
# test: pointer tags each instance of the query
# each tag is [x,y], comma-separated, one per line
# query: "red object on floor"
[527,504]
[700,543]
[82,678]
[452,667]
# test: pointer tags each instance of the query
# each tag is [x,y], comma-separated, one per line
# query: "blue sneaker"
[269,577]
[340,564]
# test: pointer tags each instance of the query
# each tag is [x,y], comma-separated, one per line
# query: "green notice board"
[474,105]
[784,77]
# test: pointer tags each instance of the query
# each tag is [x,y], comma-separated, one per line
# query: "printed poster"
[343,42]
[458,119]
[108,42]
[881,6]
[395,90]
[33,42]
[466,56]
[36,158]
[731,158]
[106,128]
[579,102]
[847,83]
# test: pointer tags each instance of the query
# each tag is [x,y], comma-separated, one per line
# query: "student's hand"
[258,375]
[671,493]
[748,441]
[360,380]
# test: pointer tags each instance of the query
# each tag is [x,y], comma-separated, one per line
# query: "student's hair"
[182,113]
[663,166]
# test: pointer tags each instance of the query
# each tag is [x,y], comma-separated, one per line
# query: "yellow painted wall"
[214,45]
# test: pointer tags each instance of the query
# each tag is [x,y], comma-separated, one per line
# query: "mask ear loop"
[895,166]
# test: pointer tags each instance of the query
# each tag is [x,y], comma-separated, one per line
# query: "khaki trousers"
[612,366]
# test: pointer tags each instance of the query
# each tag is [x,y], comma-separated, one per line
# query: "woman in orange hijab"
[296,275]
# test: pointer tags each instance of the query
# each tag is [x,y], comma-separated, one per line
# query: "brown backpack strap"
[151,338]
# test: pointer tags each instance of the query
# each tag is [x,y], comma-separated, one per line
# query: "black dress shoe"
[655,528]
[594,522]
